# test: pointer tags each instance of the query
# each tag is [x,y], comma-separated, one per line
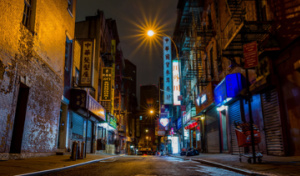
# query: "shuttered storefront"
[89,137]
[273,130]
[212,131]
[77,127]
[234,112]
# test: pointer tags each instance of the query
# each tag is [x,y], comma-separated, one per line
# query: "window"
[28,14]
[76,80]
[211,64]
[70,6]
[68,54]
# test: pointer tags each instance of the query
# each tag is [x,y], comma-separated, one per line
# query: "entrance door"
[224,131]
[16,142]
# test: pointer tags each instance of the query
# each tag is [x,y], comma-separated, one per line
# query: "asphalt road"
[145,166]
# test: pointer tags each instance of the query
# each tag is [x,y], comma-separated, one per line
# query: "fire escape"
[243,29]
[191,63]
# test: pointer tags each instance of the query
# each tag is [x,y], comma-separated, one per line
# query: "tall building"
[36,53]
[149,102]
[130,103]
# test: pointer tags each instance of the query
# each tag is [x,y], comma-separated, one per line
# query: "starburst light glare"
[150,33]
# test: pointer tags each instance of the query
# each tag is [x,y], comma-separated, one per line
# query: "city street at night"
[150,87]
[145,166]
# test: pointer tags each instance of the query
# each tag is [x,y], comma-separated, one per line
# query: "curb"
[241,171]
[67,167]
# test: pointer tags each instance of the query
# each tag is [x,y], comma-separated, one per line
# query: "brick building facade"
[32,61]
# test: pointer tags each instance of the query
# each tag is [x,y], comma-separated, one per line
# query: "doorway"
[16,142]
[224,131]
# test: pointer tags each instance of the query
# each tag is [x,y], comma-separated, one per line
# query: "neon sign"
[176,83]
[164,121]
[167,70]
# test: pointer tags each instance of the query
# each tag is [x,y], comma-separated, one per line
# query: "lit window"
[28,15]
[70,6]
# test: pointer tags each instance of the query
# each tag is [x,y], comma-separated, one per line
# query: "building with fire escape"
[213,38]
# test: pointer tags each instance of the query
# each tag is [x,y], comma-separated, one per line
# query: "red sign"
[250,55]
[183,108]
[192,125]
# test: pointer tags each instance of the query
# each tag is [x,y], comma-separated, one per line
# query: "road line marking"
[63,168]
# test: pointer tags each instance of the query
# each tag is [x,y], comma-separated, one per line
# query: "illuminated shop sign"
[112,121]
[164,121]
[86,64]
[184,117]
[179,123]
[229,88]
[106,84]
[167,70]
[176,83]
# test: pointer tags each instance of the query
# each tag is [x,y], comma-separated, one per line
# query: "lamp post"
[151,33]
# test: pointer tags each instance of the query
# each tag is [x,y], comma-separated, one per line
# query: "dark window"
[70,6]
[28,19]
[211,64]
[68,54]
[76,76]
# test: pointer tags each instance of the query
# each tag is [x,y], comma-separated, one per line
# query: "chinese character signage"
[106,84]
[250,54]
[167,70]
[176,83]
[86,63]
[80,99]
[112,121]
[95,107]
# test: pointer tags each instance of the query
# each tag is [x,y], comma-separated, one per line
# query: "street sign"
[250,54]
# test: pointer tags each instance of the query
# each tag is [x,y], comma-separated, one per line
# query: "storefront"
[229,110]
[265,90]
[85,113]
[187,120]
[109,134]
[208,120]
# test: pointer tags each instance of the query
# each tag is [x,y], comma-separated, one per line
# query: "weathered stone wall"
[37,60]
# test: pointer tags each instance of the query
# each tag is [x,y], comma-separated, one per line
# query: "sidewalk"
[57,162]
[271,165]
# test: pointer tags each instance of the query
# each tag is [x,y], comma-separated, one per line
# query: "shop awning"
[80,99]
[229,88]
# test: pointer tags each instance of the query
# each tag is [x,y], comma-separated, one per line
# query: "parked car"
[183,152]
[192,152]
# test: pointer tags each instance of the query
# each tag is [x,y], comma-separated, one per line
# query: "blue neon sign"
[229,88]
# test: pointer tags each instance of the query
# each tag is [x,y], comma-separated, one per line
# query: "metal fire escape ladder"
[251,30]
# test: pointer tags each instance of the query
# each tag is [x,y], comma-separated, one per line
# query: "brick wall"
[37,60]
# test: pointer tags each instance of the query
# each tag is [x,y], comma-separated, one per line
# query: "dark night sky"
[129,14]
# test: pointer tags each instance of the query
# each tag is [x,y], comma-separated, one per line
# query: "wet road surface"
[145,166]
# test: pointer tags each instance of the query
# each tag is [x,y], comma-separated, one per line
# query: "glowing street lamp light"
[150,33]
[151,111]
[146,130]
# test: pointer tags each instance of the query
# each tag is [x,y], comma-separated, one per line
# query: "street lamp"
[151,33]
[151,111]
[146,130]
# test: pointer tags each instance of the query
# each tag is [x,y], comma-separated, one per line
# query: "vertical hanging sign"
[113,54]
[167,70]
[176,83]
[106,84]
[250,54]
[86,64]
